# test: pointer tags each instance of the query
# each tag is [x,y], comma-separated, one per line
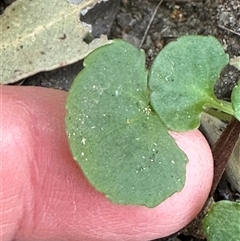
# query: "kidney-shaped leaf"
[222,222]
[121,145]
[182,78]
[42,35]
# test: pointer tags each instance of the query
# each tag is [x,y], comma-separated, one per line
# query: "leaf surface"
[222,222]
[182,79]
[42,35]
[120,143]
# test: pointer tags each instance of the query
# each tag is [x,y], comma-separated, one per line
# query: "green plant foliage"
[222,223]
[42,35]
[182,78]
[235,98]
[115,110]
[120,143]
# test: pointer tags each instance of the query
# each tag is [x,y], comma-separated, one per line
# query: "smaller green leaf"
[182,81]
[222,223]
[235,98]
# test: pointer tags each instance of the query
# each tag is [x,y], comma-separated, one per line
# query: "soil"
[129,20]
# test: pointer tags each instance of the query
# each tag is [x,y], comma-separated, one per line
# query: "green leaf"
[42,35]
[182,78]
[235,99]
[120,143]
[222,223]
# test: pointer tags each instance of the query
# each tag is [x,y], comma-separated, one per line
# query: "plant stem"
[221,105]
[218,114]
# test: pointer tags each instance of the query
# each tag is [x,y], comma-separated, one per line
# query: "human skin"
[44,195]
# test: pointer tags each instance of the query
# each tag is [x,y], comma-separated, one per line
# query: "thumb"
[44,195]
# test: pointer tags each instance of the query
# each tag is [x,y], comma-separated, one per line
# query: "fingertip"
[61,204]
[15,139]
[23,149]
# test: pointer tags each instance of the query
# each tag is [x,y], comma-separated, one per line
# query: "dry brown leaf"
[42,35]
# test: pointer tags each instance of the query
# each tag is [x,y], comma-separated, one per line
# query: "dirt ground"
[130,19]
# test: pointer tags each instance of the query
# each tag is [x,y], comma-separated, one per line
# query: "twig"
[229,30]
[149,24]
